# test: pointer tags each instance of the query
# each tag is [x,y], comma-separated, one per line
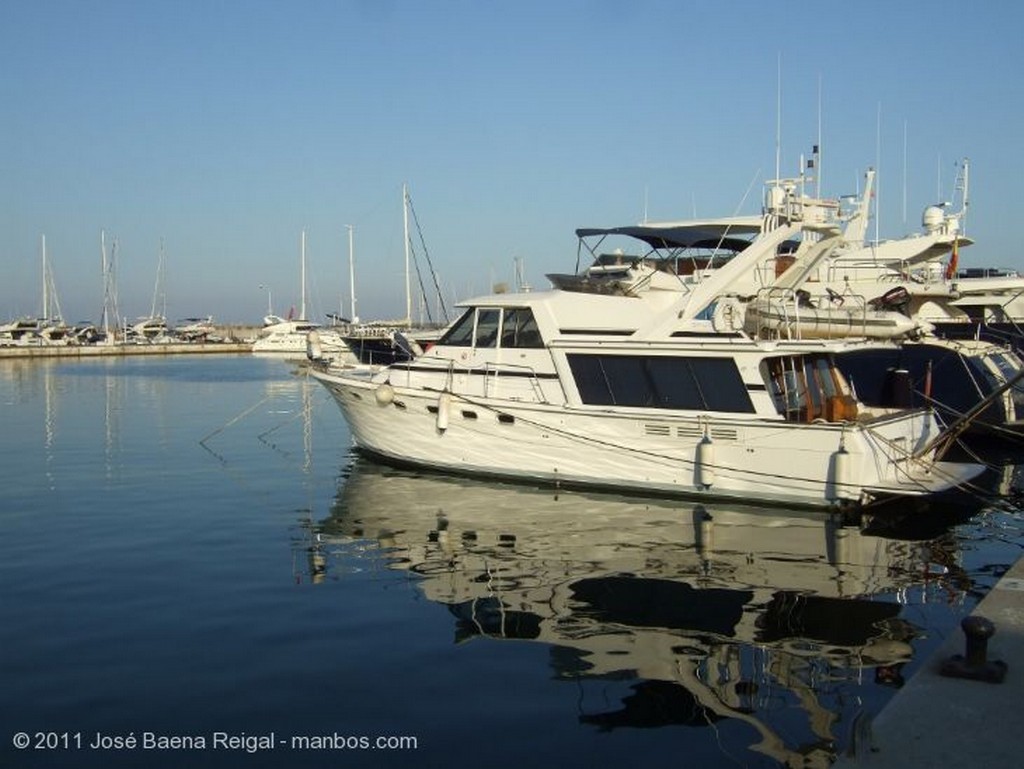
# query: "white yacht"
[905,289]
[49,328]
[634,376]
[290,337]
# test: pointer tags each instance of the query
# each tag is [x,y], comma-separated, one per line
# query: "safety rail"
[795,314]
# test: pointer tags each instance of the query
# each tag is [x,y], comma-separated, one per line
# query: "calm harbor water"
[195,571]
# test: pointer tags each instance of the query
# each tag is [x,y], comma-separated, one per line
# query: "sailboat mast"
[302,309]
[46,283]
[104,321]
[352,274]
[408,285]
[158,296]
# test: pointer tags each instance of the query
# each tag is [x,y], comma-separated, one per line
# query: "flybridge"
[698,247]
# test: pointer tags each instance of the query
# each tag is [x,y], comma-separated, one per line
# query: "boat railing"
[493,370]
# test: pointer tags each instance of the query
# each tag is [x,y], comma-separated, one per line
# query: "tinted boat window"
[487,328]
[519,329]
[701,384]
[461,333]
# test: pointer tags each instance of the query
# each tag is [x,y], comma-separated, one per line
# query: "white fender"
[840,484]
[314,350]
[384,394]
[444,405]
[704,467]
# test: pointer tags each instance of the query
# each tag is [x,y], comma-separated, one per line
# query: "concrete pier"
[942,722]
[100,350]
[236,339]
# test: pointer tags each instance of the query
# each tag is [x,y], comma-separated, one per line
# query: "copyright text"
[238,741]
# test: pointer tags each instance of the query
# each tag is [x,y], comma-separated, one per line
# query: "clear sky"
[226,128]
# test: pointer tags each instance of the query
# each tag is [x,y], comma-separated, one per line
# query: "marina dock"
[941,721]
[233,340]
[99,350]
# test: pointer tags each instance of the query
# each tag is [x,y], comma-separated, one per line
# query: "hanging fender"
[444,406]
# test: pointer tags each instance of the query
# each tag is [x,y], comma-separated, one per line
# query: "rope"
[430,265]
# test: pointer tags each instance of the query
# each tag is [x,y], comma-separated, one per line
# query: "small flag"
[954,257]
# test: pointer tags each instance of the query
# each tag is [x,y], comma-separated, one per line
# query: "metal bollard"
[974,663]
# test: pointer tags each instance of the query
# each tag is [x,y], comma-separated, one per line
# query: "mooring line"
[231,421]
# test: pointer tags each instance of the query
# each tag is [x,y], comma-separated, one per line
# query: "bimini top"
[713,234]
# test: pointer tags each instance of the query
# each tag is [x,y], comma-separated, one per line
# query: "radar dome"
[932,218]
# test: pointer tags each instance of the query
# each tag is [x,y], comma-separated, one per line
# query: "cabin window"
[519,329]
[514,327]
[487,322]
[461,332]
[685,383]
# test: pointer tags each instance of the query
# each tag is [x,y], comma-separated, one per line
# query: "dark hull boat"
[969,382]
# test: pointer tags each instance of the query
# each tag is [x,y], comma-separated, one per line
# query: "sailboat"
[290,336]
[49,328]
[385,342]
[153,328]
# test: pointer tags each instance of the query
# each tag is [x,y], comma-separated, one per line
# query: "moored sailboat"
[290,336]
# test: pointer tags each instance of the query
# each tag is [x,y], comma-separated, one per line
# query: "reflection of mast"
[111,420]
[50,420]
[50,408]
[307,424]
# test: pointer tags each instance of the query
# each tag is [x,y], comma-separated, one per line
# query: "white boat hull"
[748,459]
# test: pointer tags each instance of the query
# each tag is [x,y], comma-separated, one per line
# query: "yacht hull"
[824,464]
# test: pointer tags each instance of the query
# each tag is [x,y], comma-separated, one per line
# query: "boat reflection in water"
[705,612]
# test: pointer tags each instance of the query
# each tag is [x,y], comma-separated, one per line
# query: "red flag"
[953,259]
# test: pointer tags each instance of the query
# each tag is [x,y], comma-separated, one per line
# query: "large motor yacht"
[635,375]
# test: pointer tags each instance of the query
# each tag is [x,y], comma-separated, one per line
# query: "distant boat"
[382,343]
[152,329]
[195,329]
[290,336]
[19,332]
[49,328]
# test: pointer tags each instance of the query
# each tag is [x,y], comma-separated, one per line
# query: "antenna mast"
[878,168]
[778,119]
[817,148]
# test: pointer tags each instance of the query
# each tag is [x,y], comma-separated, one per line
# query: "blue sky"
[226,128]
